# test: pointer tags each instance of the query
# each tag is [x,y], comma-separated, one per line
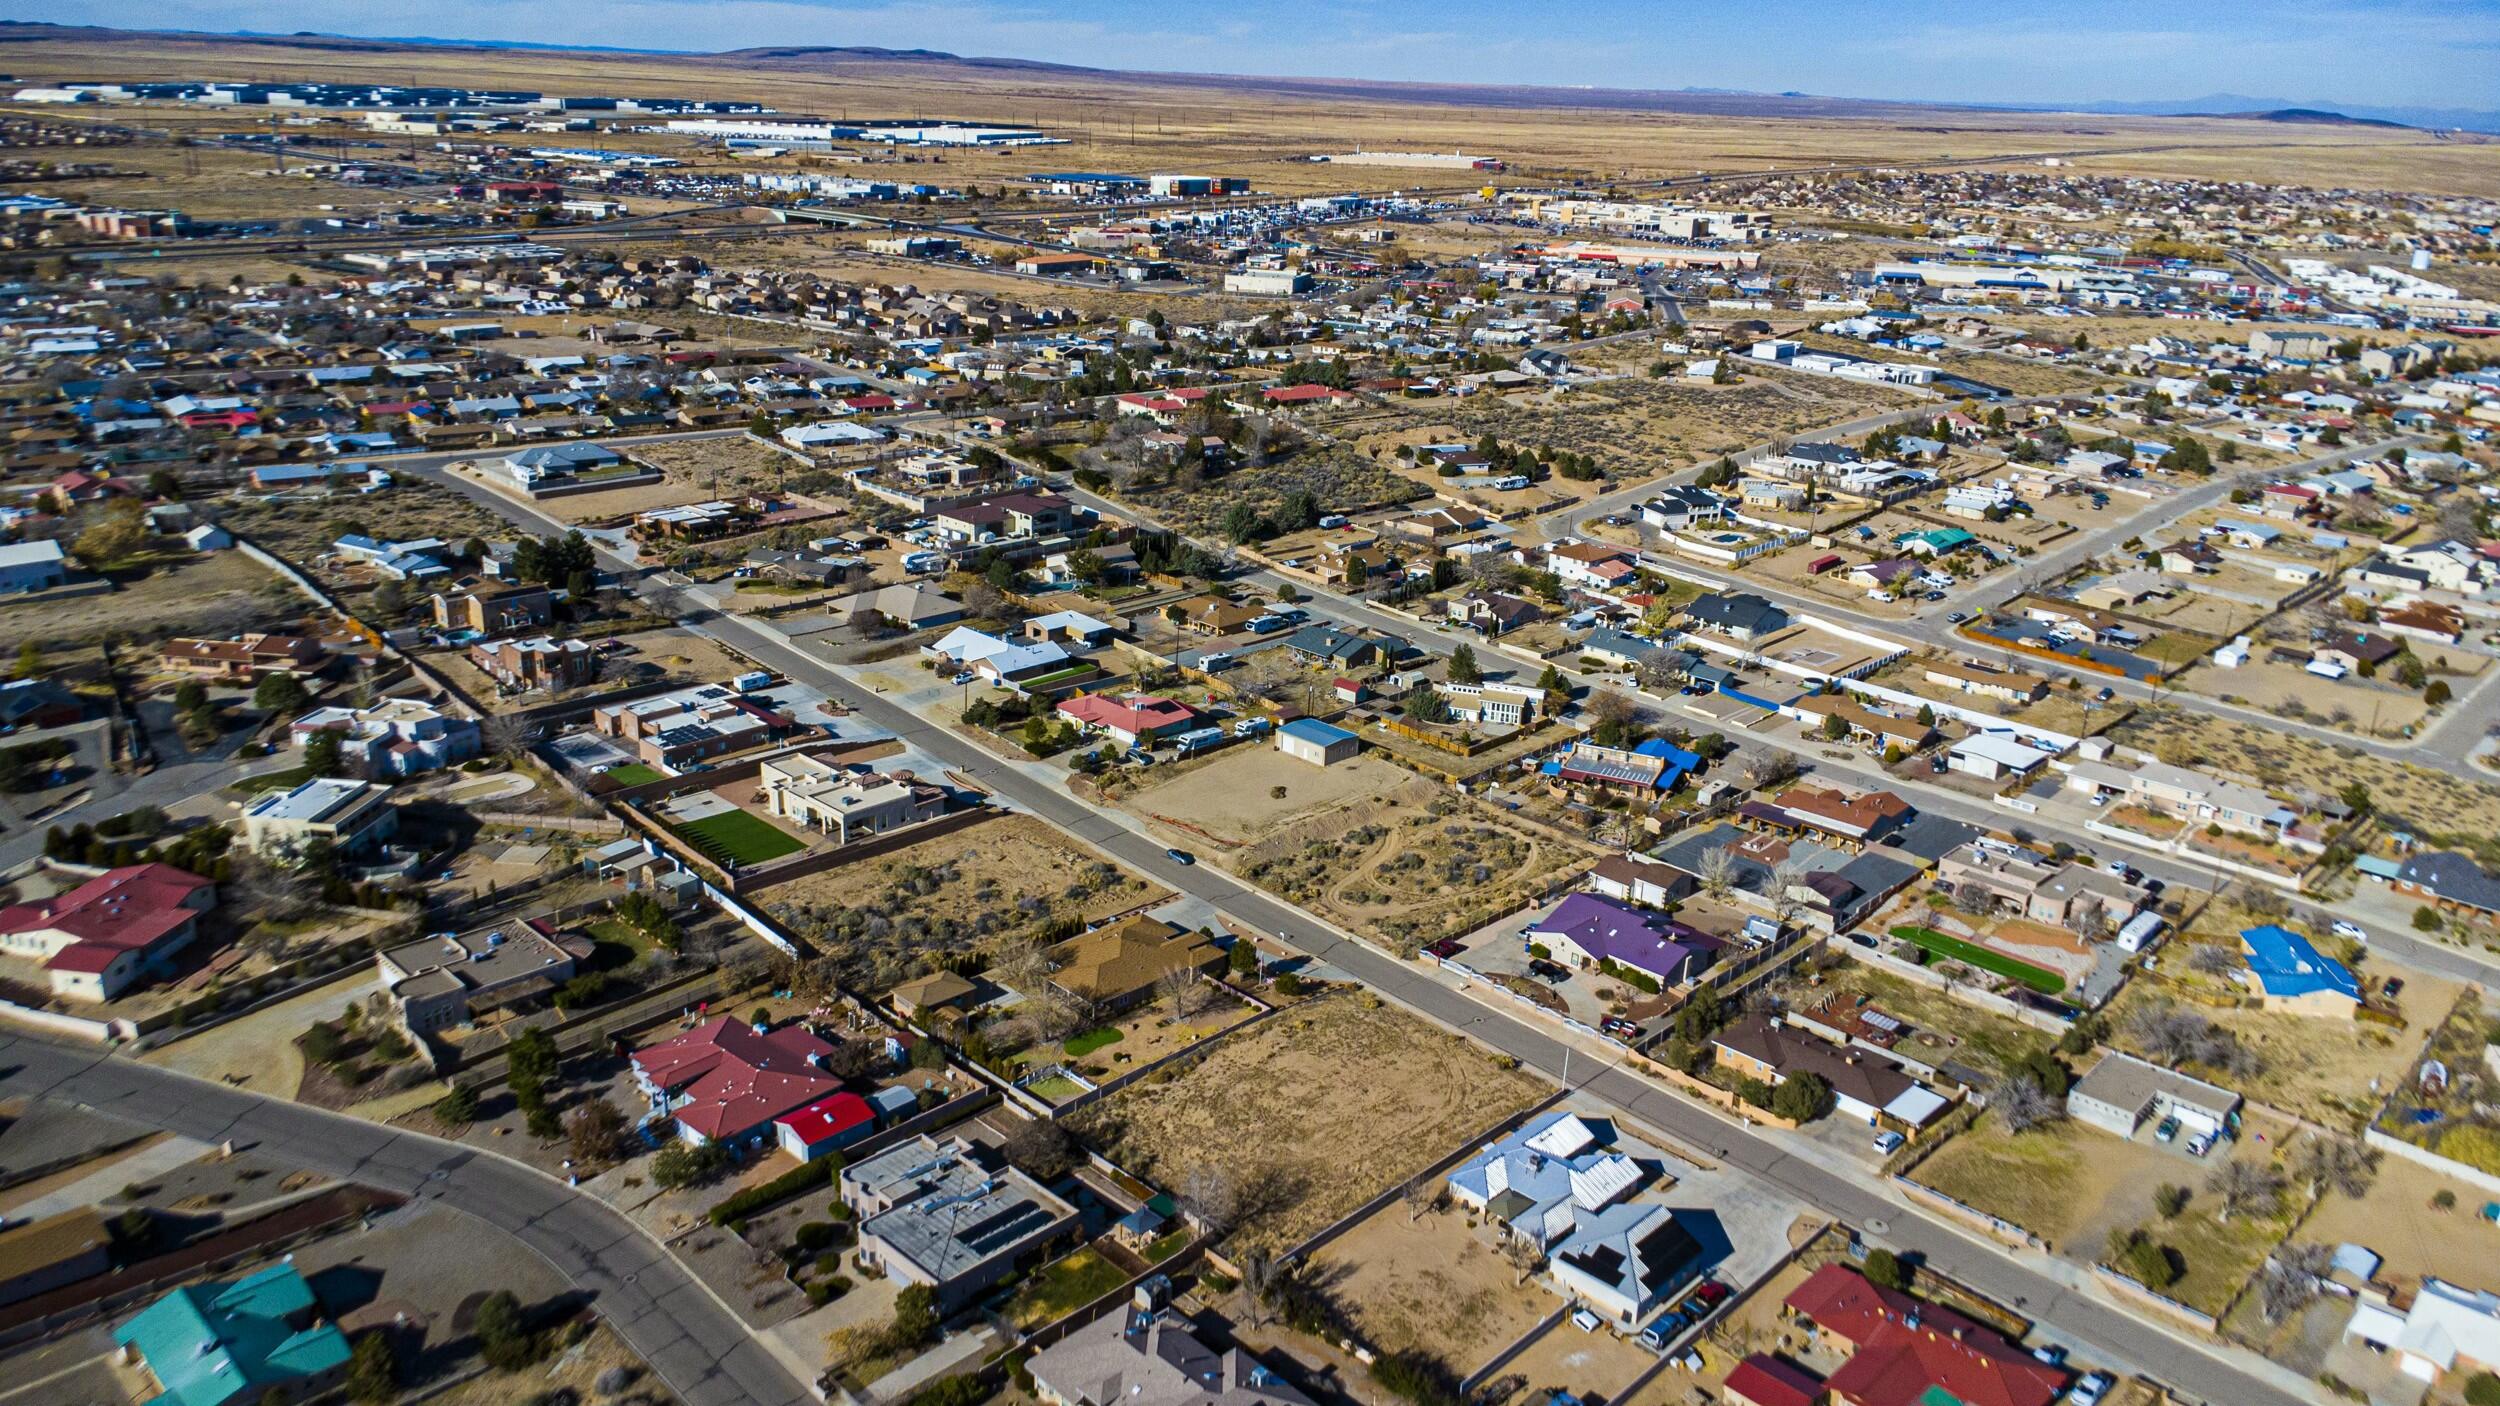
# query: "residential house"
[1005,516]
[2447,1329]
[2033,886]
[540,661]
[1642,881]
[1313,741]
[1131,719]
[2426,620]
[53,1252]
[31,566]
[2122,1093]
[241,659]
[848,803]
[2356,651]
[2292,975]
[1539,1181]
[240,1340]
[1904,1352]
[451,979]
[1493,612]
[349,816]
[399,737]
[2452,883]
[97,940]
[938,1213]
[2187,795]
[726,1082]
[1003,663]
[1860,819]
[1656,765]
[1590,931]
[1738,615]
[1120,964]
[2003,684]
[1329,646]
[495,610]
[1683,506]
[902,607]
[1148,1355]
[1865,724]
[1866,1087]
[1591,565]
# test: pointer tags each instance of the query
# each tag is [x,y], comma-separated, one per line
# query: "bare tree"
[1212,1196]
[2255,1187]
[1183,987]
[2211,959]
[1717,870]
[505,735]
[2291,1279]
[2023,1105]
[1419,1193]
[1260,1274]
[2331,1159]
[1524,1256]
[1769,769]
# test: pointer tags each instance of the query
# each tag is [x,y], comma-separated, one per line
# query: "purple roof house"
[1595,929]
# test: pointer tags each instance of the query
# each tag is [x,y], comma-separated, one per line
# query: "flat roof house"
[99,938]
[398,737]
[351,816]
[452,978]
[938,1213]
[840,801]
[1146,1355]
[236,1340]
[2122,1092]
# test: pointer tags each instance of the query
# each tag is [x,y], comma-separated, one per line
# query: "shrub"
[1885,1270]
[2482,1389]
[806,1176]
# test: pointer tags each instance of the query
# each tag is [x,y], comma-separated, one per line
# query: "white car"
[2345,927]
[2090,1390]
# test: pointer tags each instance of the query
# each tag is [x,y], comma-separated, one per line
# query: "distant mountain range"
[1723,101]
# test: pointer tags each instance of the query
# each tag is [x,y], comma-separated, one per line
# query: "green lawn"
[1057,1088]
[735,837]
[2039,979]
[1062,1288]
[286,780]
[1079,1046]
[633,774]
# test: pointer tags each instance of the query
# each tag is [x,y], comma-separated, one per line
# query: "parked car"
[1620,1028]
[1657,1335]
[2090,1390]
[1888,1142]
[1712,1293]
[2345,927]
[1446,948]
[2200,1144]
[1957,617]
[1552,972]
[1180,856]
[1584,1320]
[2168,1130]
[1214,661]
[2053,1354]
[2392,988]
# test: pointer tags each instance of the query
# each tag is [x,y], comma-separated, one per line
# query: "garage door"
[2195,1120]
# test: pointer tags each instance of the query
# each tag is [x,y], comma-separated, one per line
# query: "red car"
[1446,948]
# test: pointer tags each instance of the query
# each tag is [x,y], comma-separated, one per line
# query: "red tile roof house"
[1901,1350]
[727,1082]
[1126,720]
[1769,1381]
[100,937]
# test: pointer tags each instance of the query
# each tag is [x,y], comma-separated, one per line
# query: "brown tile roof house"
[1220,617]
[537,662]
[1865,721]
[1862,1082]
[1995,683]
[1861,817]
[243,657]
[1118,965]
[2426,620]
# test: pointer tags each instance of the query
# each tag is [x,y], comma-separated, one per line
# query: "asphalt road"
[696,1345]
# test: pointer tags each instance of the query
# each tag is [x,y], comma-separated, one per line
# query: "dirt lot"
[2360,706]
[2072,1186]
[1432,1285]
[1407,863]
[2396,1218]
[1636,427]
[1592,1366]
[211,594]
[2442,807]
[1370,1094]
[1232,799]
[954,893]
[300,529]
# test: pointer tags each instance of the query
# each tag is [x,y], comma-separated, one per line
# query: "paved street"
[695,1344]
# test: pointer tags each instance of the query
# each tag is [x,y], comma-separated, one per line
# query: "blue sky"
[2438,53]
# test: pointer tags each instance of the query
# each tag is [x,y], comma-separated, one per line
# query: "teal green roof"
[1943,539]
[224,1341]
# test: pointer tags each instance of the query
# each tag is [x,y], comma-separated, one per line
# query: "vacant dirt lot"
[1310,1115]
[1232,799]
[301,529]
[2396,1218]
[1637,427]
[213,593]
[696,469]
[1430,1285]
[954,893]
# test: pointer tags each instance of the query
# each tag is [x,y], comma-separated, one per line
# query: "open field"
[1232,799]
[301,531]
[1407,863]
[213,593]
[953,894]
[1640,427]
[1370,1093]
[1432,1284]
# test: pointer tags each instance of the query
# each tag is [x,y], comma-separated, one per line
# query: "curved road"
[694,1342]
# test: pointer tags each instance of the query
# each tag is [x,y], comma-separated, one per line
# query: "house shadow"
[344,1288]
[1712,1244]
